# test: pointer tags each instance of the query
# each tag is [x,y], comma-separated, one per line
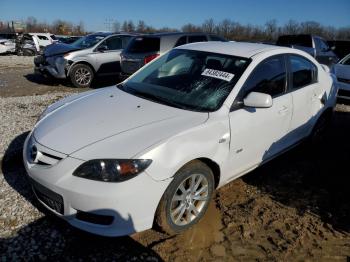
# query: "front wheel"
[81,75]
[186,199]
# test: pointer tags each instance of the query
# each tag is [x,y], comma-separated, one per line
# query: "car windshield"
[87,41]
[187,79]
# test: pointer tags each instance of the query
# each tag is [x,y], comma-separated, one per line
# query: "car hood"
[342,71]
[95,116]
[58,49]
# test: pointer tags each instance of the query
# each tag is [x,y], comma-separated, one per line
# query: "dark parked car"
[68,39]
[342,48]
[144,48]
[314,45]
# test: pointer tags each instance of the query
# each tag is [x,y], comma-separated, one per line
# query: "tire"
[321,129]
[81,75]
[28,52]
[180,207]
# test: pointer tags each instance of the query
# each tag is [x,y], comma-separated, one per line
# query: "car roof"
[241,49]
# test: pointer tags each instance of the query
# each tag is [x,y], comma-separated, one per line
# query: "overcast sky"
[177,13]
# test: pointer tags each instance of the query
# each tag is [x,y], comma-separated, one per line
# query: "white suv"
[153,149]
[44,39]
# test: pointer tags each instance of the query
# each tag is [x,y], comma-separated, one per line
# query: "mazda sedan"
[152,150]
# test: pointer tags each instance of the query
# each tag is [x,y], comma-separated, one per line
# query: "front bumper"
[131,204]
[56,67]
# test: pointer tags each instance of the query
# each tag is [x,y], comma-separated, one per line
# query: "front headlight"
[111,170]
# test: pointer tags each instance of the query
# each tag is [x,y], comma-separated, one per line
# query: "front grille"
[50,198]
[342,92]
[94,218]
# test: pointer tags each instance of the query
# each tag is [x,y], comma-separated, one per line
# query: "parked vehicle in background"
[342,71]
[313,45]
[145,48]
[7,46]
[67,39]
[27,45]
[44,39]
[342,48]
[9,36]
[89,56]
[153,149]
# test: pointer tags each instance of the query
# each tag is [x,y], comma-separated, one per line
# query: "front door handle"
[284,110]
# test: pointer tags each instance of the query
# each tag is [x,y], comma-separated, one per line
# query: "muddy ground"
[295,208]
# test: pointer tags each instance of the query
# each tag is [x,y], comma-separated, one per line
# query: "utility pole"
[108,23]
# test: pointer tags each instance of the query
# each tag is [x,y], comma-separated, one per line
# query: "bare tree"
[116,26]
[271,29]
[141,26]
[208,26]
[291,27]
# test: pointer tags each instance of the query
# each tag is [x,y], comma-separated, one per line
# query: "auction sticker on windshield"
[218,74]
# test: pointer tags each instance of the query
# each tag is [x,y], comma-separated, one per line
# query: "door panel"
[305,92]
[257,134]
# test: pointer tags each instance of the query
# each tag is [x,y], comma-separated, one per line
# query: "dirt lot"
[295,208]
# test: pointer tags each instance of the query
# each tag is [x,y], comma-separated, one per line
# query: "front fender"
[199,142]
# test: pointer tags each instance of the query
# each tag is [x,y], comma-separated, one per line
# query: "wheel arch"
[214,167]
[80,62]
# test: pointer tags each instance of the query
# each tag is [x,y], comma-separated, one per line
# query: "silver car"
[92,55]
[144,48]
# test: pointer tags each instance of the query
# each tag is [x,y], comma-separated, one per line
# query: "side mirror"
[102,48]
[258,100]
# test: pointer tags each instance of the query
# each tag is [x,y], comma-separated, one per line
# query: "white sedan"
[152,149]
[342,72]
[7,46]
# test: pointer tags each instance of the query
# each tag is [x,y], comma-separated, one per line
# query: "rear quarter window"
[144,45]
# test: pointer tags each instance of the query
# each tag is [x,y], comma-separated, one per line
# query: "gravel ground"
[8,61]
[19,114]
[295,208]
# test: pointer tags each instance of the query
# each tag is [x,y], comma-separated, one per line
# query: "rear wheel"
[81,75]
[321,128]
[186,199]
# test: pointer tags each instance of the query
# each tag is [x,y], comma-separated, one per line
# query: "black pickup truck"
[314,45]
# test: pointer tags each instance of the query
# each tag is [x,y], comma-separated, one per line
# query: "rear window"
[53,37]
[144,45]
[301,40]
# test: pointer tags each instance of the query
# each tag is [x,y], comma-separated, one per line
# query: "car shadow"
[313,179]
[51,238]
[98,82]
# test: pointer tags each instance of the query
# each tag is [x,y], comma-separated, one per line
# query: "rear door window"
[303,71]
[144,45]
[197,38]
